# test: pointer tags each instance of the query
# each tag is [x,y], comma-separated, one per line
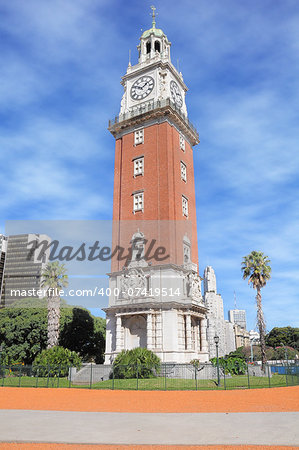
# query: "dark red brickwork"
[163,189]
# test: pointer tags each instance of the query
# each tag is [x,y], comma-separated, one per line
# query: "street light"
[285,353]
[286,358]
[216,340]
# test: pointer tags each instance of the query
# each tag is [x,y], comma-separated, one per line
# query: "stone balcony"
[150,109]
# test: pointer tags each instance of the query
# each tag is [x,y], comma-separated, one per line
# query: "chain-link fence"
[141,377]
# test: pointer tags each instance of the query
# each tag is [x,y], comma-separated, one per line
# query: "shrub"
[23,331]
[233,365]
[55,361]
[196,363]
[138,362]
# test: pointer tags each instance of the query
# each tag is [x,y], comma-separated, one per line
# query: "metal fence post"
[37,373]
[59,370]
[3,377]
[248,377]
[20,369]
[286,372]
[70,375]
[90,381]
[164,376]
[269,375]
[195,372]
[137,378]
[112,377]
[224,379]
[48,376]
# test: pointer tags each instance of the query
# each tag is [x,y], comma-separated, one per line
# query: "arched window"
[157,46]
[148,47]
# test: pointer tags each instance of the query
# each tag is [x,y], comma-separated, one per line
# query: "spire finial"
[153,16]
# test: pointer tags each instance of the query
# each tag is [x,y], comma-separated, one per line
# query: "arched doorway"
[135,332]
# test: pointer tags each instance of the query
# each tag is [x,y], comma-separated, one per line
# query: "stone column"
[149,329]
[188,331]
[118,334]
[152,47]
[198,335]
[203,336]
[159,330]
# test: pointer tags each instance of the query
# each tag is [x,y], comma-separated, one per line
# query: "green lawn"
[159,383]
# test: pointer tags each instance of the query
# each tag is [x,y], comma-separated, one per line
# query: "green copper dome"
[156,31]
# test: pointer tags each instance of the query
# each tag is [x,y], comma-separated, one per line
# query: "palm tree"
[255,266]
[54,279]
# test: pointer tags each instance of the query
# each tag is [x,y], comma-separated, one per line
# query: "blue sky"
[61,63]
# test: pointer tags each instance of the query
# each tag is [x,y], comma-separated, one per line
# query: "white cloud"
[61,66]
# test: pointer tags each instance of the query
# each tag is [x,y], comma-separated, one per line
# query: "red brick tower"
[154,201]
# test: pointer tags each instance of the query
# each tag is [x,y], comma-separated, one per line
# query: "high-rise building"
[217,326]
[241,336]
[155,304]
[238,317]
[3,250]
[230,337]
[254,337]
[23,268]
[215,315]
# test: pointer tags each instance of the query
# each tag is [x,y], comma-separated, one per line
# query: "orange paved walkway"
[259,400]
[255,400]
[7,446]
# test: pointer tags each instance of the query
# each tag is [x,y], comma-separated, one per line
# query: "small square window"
[139,137]
[138,202]
[185,206]
[183,171]
[182,142]
[138,166]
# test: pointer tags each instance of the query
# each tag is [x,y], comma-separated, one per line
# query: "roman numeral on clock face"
[142,87]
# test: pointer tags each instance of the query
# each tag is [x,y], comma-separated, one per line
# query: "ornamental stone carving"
[194,284]
[133,282]
[162,84]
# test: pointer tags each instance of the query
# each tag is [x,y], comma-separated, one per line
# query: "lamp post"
[285,352]
[216,340]
[286,358]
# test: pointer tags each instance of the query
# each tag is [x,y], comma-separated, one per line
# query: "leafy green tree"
[281,353]
[286,335]
[245,353]
[84,336]
[56,361]
[23,331]
[54,278]
[138,362]
[256,267]
[238,353]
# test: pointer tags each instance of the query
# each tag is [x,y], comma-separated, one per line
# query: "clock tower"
[156,299]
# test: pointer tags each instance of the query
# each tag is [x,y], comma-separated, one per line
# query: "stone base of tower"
[176,335]
[173,326]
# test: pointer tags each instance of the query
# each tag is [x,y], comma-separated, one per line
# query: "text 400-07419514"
[140,292]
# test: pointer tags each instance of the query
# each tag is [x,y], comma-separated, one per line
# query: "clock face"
[142,87]
[176,94]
